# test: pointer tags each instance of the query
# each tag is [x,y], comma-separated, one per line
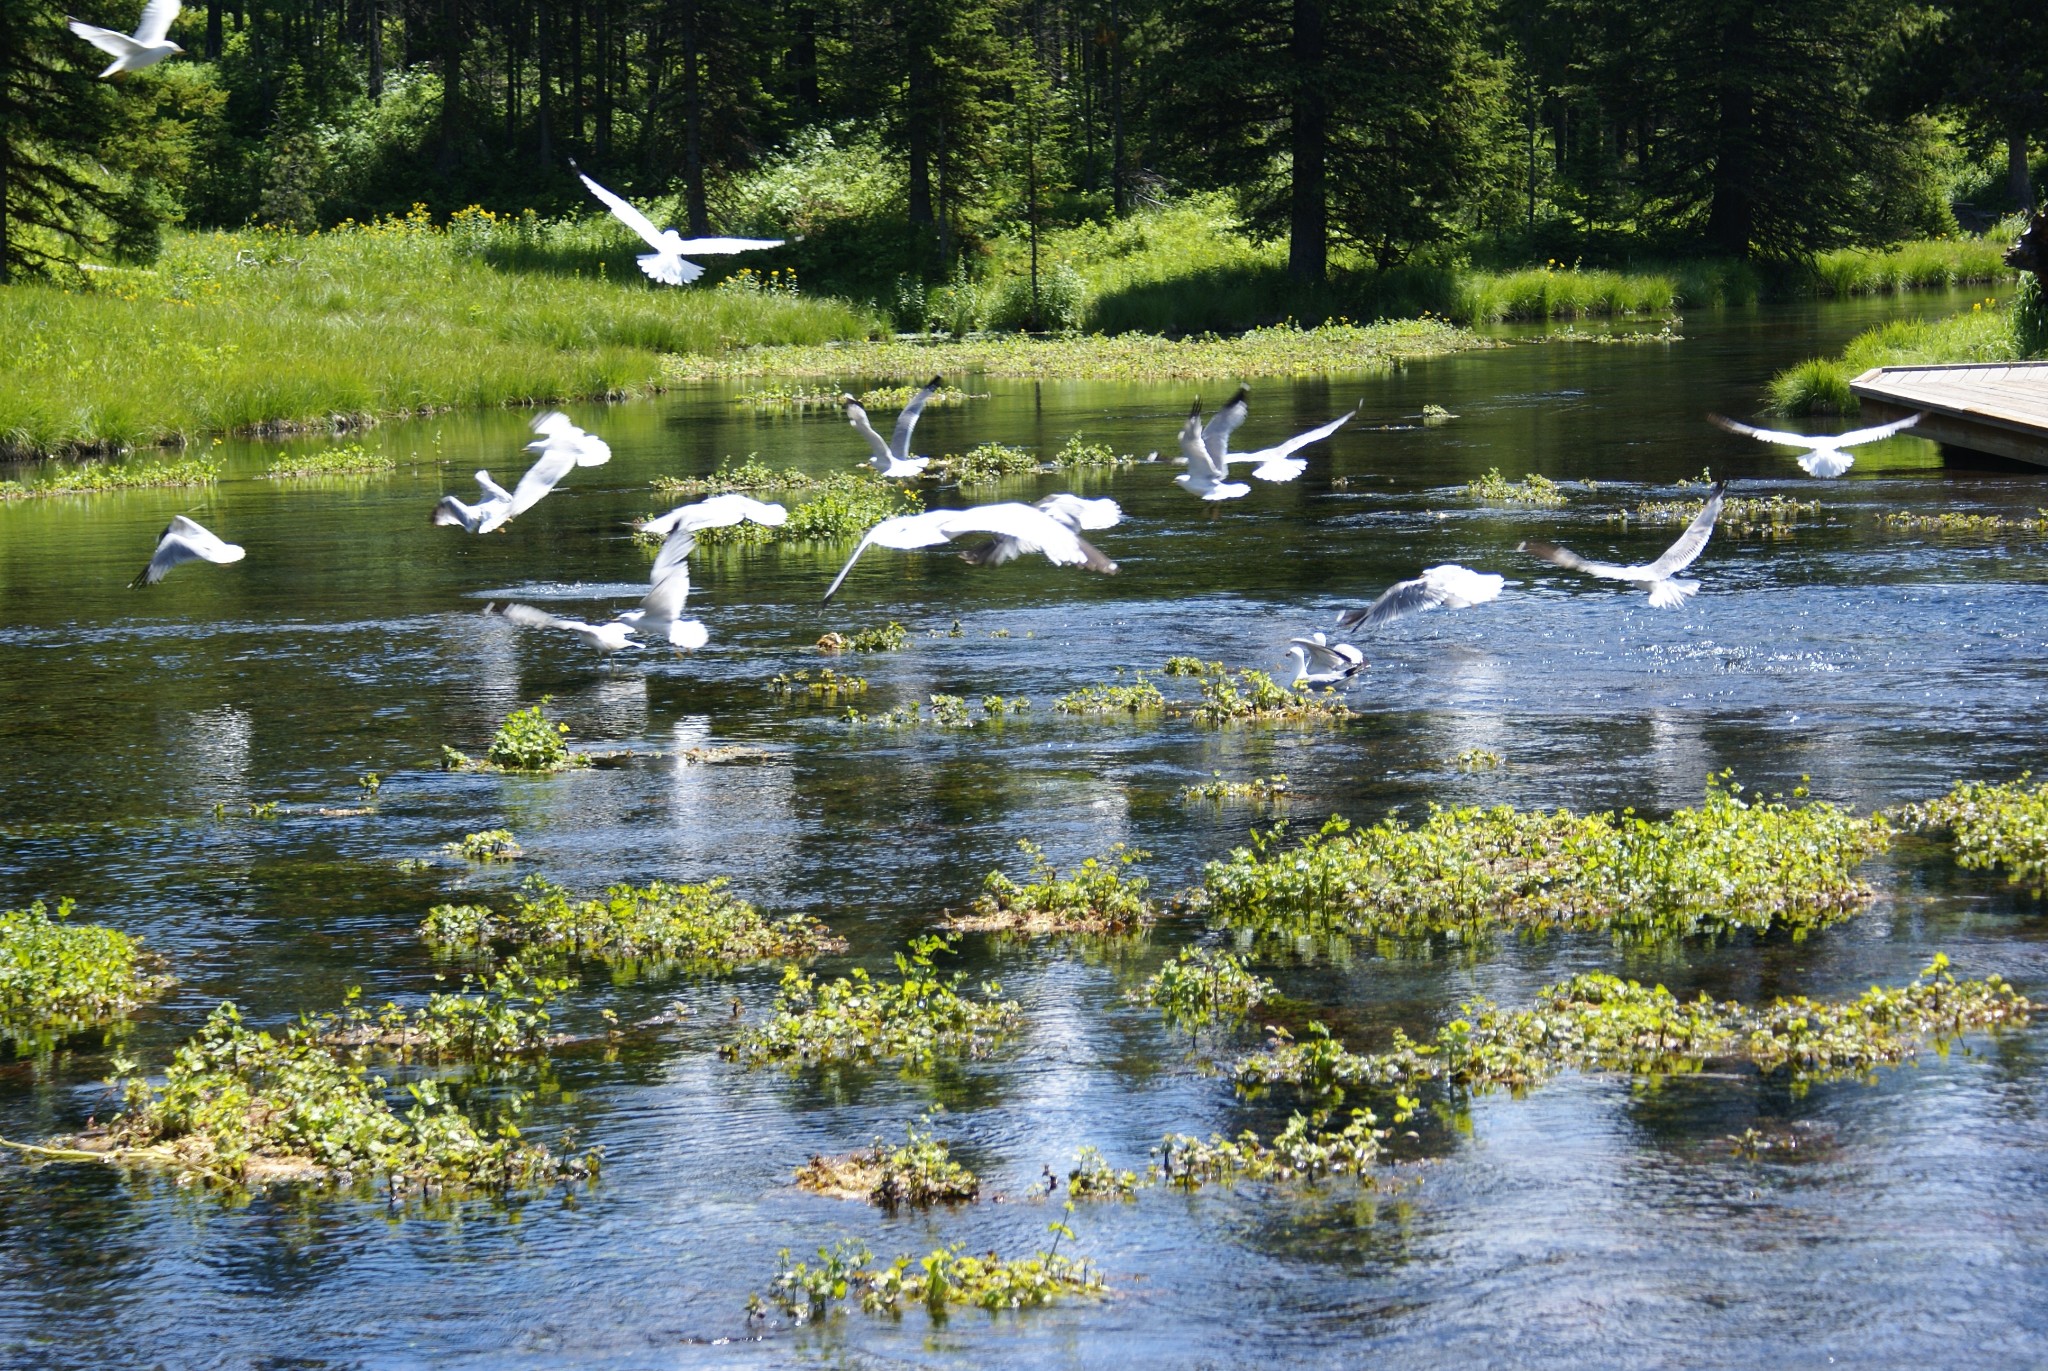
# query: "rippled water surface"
[1593,1222]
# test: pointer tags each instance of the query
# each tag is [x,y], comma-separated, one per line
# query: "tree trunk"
[657,63]
[544,77]
[451,83]
[803,61]
[1731,223]
[373,39]
[693,127]
[1308,246]
[2018,177]
[917,96]
[213,8]
[1119,197]
[604,80]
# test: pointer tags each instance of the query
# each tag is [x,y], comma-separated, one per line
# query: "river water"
[1594,1221]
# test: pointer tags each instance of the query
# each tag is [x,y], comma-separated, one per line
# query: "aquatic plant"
[1078,455]
[1769,515]
[1191,666]
[1751,863]
[97,478]
[890,637]
[987,463]
[920,1172]
[1271,788]
[915,1019]
[1303,1150]
[492,845]
[2000,826]
[945,1277]
[1139,697]
[1255,697]
[529,741]
[753,476]
[699,925]
[1956,521]
[1478,759]
[57,976]
[350,459]
[841,508]
[1095,897]
[1093,1178]
[795,397]
[1495,489]
[499,1017]
[827,687]
[1202,985]
[1982,333]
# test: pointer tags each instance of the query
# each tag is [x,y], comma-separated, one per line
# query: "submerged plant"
[1733,863]
[1770,515]
[58,977]
[1479,759]
[921,1172]
[1303,1150]
[915,1019]
[1095,897]
[827,687]
[492,845]
[699,925]
[1495,489]
[1202,985]
[350,459]
[98,477]
[2002,826]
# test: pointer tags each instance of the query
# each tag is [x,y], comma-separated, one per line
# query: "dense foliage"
[56,975]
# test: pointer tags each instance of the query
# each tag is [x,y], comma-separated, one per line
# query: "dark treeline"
[1752,128]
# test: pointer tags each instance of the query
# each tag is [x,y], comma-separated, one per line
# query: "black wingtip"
[934,383]
[1195,410]
[1243,396]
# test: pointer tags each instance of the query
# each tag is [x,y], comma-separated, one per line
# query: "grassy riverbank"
[265,329]
[1987,332]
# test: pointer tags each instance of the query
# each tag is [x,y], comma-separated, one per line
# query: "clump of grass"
[1095,897]
[1935,263]
[1139,697]
[350,459]
[2000,826]
[988,463]
[806,1293]
[702,925]
[1078,455]
[1302,1151]
[1255,697]
[98,478]
[1202,985]
[889,637]
[1533,489]
[1734,863]
[827,687]
[1769,515]
[59,977]
[920,1172]
[1559,291]
[1597,1022]
[492,845]
[1192,666]
[1269,788]
[916,1019]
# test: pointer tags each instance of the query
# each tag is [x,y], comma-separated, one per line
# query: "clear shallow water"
[1592,1222]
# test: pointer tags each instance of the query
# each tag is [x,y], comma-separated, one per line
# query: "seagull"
[1071,510]
[562,447]
[669,583]
[1449,586]
[1032,530]
[150,45]
[1824,456]
[892,458]
[184,541]
[1667,589]
[665,264]
[1333,662]
[1206,478]
[482,517]
[608,638]
[1275,463]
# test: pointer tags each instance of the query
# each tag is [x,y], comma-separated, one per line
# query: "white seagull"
[1071,510]
[150,44]
[1276,463]
[1667,589]
[562,447]
[1032,529]
[659,614]
[892,458]
[607,638]
[1207,478]
[185,541]
[665,264]
[1824,456]
[1449,586]
[482,517]
[1333,662]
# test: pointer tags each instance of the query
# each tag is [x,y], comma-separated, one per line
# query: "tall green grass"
[266,329]
[1821,385]
[1930,264]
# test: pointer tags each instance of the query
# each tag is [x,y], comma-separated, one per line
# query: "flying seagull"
[892,458]
[665,264]
[562,447]
[1276,463]
[1032,529]
[1207,477]
[1824,456]
[185,541]
[1331,662]
[1071,510]
[1449,586]
[1667,589]
[658,616]
[606,638]
[482,517]
[150,44]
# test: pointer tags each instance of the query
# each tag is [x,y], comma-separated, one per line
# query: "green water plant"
[350,459]
[1078,454]
[1770,516]
[753,476]
[919,1172]
[946,1277]
[889,637]
[59,977]
[1093,1178]
[1304,1150]
[1269,788]
[1958,521]
[1737,862]
[1201,986]
[1139,697]
[987,463]
[1479,759]
[702,925]
[1191,666]
[1098,896]
[492,845]
[1495,489]
[527,741]
[2001,826]
[94,478]
[497,1017]
[825,687]
[1255,697]
[916,1018]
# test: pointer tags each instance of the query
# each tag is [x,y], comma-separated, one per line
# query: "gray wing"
[157,17]
[1692,542]
[1193,450]
[556,461]
[899,441]
[1216,433]
[1301,440]
[1397,601]
[1572,561]
[857,415]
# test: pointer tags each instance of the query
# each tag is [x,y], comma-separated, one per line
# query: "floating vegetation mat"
[1272,789]
[1241,697]
[96,478]
[987,463]
[794,397]
[1496,489]
[921,1172]
[890,637]
[826,687]
[350,459]
[528,741]
[1906,521]
[846,1272]
[1734,863]
[822,509]
[1598,1022]
[1302,1151]
[945,711]
[1095,897]
[58,977]
[1767,515]
[492,845]
[1202,985]
[701,926]
[1997,827]
[916,1018]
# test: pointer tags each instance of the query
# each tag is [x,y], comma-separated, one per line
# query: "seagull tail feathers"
[1826,465]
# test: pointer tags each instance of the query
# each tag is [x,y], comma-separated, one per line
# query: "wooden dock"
[2000,408]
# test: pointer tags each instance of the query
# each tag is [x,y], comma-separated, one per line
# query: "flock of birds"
[998,533]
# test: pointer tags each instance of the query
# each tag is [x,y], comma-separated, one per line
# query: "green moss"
[58,977]
[1095,897]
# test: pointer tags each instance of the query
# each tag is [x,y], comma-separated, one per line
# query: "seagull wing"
[1767,435]
[182,541]
[491,488]
[857,415]
[526,616]
[664,601]
[720,511]
[1033,529]
[1449,586]
[118,45]
[556,461]
[1329,657]
[1077,513]
[1192,449]
[1216,433]
[1299,440]
[716,247]
[899,441]
[1572,561]
[157,17]
[1692,542]
[903,531]
[1870,435]
[664,244]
